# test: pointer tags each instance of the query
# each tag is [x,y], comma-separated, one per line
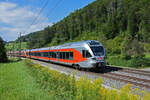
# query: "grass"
[23,80]
[17,83]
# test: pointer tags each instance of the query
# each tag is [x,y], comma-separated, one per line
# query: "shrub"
[66,87]
[139,62]
[136,62]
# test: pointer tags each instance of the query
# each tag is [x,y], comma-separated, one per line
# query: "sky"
[27,16]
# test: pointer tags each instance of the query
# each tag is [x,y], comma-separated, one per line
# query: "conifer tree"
[3,56]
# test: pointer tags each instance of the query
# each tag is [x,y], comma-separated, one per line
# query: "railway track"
[136,72]
[135,81]
[114,77]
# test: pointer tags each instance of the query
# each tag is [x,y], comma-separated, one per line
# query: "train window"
[42,54]
[83,53]
[49,54]
[98,50]
[70,55]
[67,55]
[64,55]
[34,54]
[61,55]
[45,54]
[39,54]
[53,54]
[86,54]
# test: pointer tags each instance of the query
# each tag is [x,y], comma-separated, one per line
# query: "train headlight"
[99,58]
[94,59]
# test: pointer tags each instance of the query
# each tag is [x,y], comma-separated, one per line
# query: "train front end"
[97,51]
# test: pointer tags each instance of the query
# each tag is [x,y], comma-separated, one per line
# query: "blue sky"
[16,15]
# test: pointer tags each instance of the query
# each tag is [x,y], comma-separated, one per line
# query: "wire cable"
[51,10]
[38,15]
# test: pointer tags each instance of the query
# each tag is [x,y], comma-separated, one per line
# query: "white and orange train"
[84,54]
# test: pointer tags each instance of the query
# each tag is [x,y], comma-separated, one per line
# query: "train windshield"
[98,50]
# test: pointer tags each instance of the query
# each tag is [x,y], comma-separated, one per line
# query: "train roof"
[80,43]
[46,48]
[71,45]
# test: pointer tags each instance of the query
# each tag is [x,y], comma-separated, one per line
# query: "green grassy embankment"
[28,81]
[18,83]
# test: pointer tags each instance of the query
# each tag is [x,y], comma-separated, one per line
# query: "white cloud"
[15,19]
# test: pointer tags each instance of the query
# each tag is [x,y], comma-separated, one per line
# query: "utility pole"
[13,49]
[20,45]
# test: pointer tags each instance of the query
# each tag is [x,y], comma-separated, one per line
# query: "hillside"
[123,27]
[15,46]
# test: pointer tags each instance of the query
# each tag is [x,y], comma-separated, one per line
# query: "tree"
[132,47]
[3,56]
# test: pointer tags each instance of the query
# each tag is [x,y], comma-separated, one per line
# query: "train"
[86,54]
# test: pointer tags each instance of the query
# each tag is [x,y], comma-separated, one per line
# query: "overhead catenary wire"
[46,3]
[38,15]
[51,11]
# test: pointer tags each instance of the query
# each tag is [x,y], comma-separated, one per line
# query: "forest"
[122,26]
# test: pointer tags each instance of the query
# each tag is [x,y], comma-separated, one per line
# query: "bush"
[139,62]
[66,87]
[128,61]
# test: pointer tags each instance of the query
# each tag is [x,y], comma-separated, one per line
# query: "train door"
[49,55]
[57,55]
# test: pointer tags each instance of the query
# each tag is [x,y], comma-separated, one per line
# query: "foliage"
[132,62]
[3,56]
[14,46]
[64,87]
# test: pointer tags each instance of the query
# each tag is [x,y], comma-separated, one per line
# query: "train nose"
[99,58]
